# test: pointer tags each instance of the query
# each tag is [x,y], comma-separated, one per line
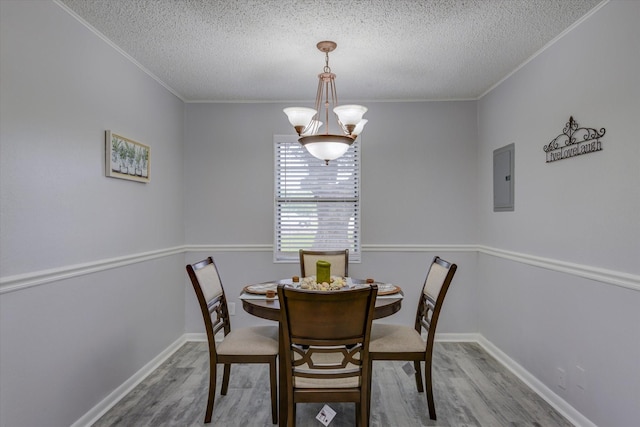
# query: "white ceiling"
[265,50]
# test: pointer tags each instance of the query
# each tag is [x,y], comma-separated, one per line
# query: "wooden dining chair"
[326,340]
[339,262]
[246,345]
[400,342]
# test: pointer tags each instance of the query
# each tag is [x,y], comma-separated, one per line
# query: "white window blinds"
[317,206]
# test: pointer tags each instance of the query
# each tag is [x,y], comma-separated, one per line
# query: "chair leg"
[291,411]
[370,381]
[212,392]
[364,407]
[430,402]
[274,391]
[366,401]
[362,414]
[365,417]
[225,378]
[418,369]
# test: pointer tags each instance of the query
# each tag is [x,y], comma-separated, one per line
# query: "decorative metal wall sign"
[574,141]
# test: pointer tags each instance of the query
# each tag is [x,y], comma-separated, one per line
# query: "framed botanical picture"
[125,158]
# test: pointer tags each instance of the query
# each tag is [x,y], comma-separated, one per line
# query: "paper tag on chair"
[325,415]
[408,369]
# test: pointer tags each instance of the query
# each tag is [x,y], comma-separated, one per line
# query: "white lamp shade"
[350,114]
[327,150]
[359,127]
[299,116]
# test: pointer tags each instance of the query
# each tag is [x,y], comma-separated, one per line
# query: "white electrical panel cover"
[503,178]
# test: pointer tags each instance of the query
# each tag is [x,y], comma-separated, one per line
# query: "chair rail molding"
[230,248]
[624,280]
[27,280]
[418,248]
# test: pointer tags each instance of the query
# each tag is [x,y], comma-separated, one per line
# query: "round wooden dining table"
[270,309]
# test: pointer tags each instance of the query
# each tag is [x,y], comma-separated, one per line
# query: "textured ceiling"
[265,50]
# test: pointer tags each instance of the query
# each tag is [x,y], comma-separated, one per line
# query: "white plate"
[387,288]
[261,288]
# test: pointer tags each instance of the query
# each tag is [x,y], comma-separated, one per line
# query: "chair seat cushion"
[250,341]
[387,338]
[351,382]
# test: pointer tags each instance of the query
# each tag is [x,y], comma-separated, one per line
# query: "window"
[316,205]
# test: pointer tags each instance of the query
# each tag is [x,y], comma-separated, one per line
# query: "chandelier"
[306,121]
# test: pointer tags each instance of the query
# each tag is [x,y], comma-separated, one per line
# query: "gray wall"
[65,343]
[565,291]
[418,190]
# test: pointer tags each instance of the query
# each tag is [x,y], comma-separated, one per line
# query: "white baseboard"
[559,404]
[114,397]
[195,336]
[454,337]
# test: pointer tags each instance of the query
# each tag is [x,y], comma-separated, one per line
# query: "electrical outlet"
[232,308]
[562,379]
[581,377]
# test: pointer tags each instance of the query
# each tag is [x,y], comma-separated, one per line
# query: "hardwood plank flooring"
[471,389]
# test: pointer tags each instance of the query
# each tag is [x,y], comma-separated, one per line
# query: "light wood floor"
[471,389]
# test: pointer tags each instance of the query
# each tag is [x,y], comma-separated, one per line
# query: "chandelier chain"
[327,69]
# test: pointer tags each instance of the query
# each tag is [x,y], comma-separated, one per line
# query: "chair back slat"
[332,316]
[339,262]
[434,290]
[211,298]
[425,312]
[219,318]
[435,279]
[209,280]
[320,362]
